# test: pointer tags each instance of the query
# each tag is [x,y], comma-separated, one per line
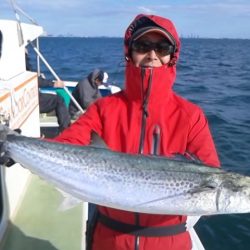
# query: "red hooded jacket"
[146,117]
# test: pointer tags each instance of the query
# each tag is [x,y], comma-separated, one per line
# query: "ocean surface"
[213,73]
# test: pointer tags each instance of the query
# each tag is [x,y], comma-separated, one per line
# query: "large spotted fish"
[145,184]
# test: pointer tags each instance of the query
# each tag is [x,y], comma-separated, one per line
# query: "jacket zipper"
[155,150]
[144,109]
[143,132]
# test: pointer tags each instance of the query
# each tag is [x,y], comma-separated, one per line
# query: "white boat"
[30,218]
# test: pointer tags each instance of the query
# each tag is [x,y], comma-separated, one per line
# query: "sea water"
[213,73]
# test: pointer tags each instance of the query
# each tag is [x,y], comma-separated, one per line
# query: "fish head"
[233,196]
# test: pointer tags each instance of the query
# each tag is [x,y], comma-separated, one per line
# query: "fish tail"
[4,131]
[3,135]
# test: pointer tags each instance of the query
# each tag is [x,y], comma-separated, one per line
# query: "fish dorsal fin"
[97,141]
[186,157]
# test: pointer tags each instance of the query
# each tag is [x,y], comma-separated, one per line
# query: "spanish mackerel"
[146,184]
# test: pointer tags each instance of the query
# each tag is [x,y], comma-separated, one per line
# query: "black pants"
[50,102]
[91,224]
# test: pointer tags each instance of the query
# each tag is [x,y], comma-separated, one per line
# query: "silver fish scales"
[145,184]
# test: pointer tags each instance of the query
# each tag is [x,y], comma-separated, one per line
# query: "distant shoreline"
[108,37]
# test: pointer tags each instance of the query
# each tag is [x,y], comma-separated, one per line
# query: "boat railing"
[18,10]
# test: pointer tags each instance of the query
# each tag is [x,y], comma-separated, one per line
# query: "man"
[86,91]
[51,102]
[147,117]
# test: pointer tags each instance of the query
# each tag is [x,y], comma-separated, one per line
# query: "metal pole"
[19,27]
[56,76]
[38,58]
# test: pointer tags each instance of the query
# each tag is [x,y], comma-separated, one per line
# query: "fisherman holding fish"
[141,199]
[147,117]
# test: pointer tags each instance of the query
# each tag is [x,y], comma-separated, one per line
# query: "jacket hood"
[95,74]
[142,21]
[151,84]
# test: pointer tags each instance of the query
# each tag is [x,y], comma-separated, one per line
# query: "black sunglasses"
[162,48]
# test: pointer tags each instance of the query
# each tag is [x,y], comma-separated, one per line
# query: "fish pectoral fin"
[206,187]
[68,201]
[171,197]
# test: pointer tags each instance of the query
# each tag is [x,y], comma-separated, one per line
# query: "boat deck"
[40,225]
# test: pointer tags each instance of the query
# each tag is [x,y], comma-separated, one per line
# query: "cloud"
[235,8]
[48,4]
[231,7]
[146,10]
